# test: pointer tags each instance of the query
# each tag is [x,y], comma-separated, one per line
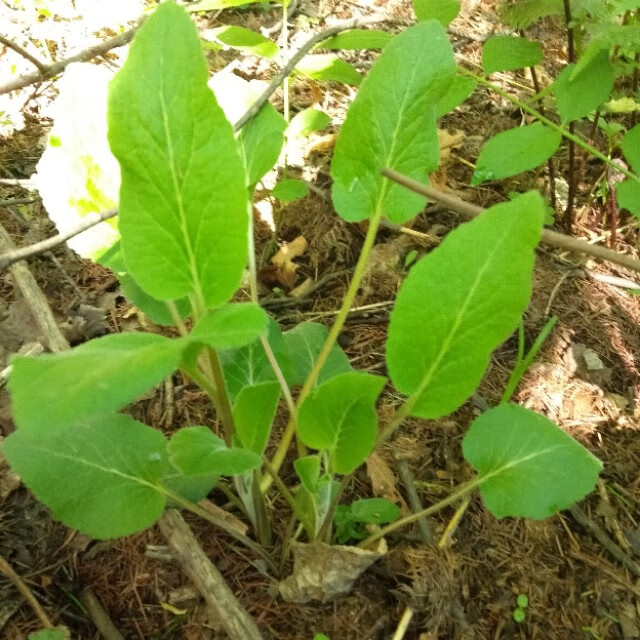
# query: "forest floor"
[464,588]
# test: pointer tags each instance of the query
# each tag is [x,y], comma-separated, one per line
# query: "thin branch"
[40,66]
[90,220]
[552,238]
[54,69]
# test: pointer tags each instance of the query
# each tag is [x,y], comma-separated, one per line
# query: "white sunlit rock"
[77,173]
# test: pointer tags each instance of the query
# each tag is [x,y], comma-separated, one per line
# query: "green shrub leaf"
[308,470]
[507,53]
[374,511]
[197,451]
[303,123]
[95,378]
[631,147]
[183,201]
[304,343]
[457,305]
[355,39]
[253,415]
[289,190]
[213,5]
[327,66]
[246,40]
[461,88]
[628,193]
[340,417]
[395,129]
[577,97]
[514,151]
[101,477]
[524,13]
[529,467]
[442,10]
[233,325]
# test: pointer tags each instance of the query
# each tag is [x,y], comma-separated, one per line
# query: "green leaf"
[213,5]
[527,465]
[340,417]
[246,40]
[196,451]
[374,511]
[183,201]
[289,190]
[95,378]
[395,129]
[156,310]
[303,123]
[327,66]
[514,151]
[308,470]
[628,193]
[304,343]
[100,477]
[355,39]
[57,633]
[442,10]
[631,147]
[261,141]
[461,88]
[231,326]
[507,53]
[191,488]
[249,365]
[579,96]
[457,305]
[253,415]
[522,14]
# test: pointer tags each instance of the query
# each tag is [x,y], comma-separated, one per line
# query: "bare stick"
[99,616]
[24,280]
[25,592]
[90,220]
[297,57]
[209,581]
[57,67]
[552,238]
[40,66]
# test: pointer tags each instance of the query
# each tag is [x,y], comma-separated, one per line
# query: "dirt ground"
[466,587]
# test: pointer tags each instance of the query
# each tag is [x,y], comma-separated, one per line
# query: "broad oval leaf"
[628,193]
[95,378]
[631,147]
[244,39]
[100,477]
[460,302]
[197,451]
[340,417]
[355,39]
[507,53]
[577,97]
[444,11]
[213,5]
[524,13]
[461,88]
[183,201]
[393,128]
[253,414]
[528,466]
[303,123]
[233,325]
[327,66]
[374,510]
[289,190]
[304,343]
[514,151]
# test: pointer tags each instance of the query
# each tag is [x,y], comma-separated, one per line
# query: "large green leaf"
[253,415]
[340,417]
[628,193]
[460,302]
[290,189]
[233,325]
[631,147]
[196,451]
[327,66]
[442,10]
[355,39]
[577,97]
[506,53]
[100,477]
[461,88]
[527,465]
[304,343]
[514,151]
[183,201]
[392,123]
[52,392]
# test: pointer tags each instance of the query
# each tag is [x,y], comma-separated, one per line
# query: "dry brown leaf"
[302,289]
[290,250]
[229,518]
[383,479]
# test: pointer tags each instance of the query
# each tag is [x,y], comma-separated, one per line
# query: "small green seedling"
[522,602]
[350,520]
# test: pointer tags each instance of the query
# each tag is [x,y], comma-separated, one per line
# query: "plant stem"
[552,125]
[347,303]
[460,492]
[223,404]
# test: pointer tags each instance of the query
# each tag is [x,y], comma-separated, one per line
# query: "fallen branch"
[90,220]
[552,238]
[40,66]
[49,71]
